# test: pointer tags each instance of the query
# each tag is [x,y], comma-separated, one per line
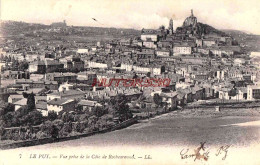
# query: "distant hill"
[248,41]
[14,28]
[235,32]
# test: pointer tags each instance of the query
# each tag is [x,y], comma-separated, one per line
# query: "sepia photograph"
[129,82]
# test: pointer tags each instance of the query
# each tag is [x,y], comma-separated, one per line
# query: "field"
[181,128]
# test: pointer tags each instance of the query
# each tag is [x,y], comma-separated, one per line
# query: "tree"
[99,111]
[211,55]
[41,135]
[2,123]
[83,117]
[22,111]
[50,129]
[64,117]
[5,108]
[67,117]
[2,57]
[52,115]
[157,99]
[25,95]
[23,66]
[148,74]
[135,76]
[92,120]
[121,108]
[163,69]
[59,123]
[2,130]
[8,59]
[15,64]
[45,127]
[78,127]
[162,27]
[31,102]
[34,118]
[54,132]
[20,116]
[232,92]
[27,118]
[66,129]
[8,119]
[234,42]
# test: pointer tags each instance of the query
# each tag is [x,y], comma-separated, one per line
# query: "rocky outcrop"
[190,21]
[191,26]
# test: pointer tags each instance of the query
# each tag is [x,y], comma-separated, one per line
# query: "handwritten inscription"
[223,149]
[201,153]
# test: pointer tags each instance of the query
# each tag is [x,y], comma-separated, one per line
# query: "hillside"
[8,28]
[200,29]
[248,41]
[207,29]
[11,28]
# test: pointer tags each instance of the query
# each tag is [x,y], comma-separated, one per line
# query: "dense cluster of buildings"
[200,63]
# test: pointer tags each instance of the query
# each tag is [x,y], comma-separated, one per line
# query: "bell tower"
[171,26]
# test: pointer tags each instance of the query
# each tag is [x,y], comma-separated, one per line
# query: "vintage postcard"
[129,82]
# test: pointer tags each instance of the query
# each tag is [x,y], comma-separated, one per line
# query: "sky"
[222,14]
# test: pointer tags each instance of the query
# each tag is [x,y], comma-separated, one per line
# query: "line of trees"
[24,116]
[16,65]
[62,124]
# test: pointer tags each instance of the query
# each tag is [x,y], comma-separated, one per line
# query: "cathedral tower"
[171,26]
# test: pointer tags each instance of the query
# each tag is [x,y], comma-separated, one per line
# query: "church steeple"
[192,12]
[170,28]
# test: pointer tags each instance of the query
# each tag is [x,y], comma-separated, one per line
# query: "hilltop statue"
[190,21]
